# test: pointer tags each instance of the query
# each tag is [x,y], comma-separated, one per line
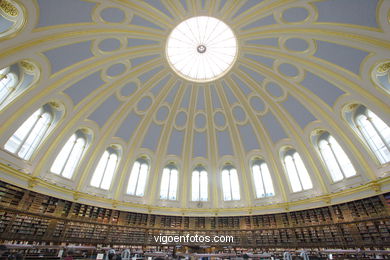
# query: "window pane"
[133,178]
[203,186]
[20,135]
[195,185]
[6,85]
[384,131]
[259,186]
[342,158]
[302,171]
[164,184]
[292,174]
[268,184]
[173,184]
[62,157]
[142,179]
[35,136]
[235,184]
[110,170]
[227,195]
[99,171]
[74,158]
[373,139]
[330,161]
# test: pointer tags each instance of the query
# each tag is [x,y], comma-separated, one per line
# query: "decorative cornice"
[33,183]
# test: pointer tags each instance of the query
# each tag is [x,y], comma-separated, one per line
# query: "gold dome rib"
[238,147]
[187,144]
[212,142]
[264,140]
[164,142]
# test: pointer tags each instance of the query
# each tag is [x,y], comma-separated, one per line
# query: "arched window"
[230,184]
[296,171]
[138,176]
[169,183]
[375,132]
[262,179]
[31,133]
[70,155]
[15,79]
[199,184]
[336,160]
[105,170]
[8,81]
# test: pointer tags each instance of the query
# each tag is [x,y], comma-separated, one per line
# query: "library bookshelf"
[29,216]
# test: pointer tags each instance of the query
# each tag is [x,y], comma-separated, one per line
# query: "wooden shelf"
[29,216]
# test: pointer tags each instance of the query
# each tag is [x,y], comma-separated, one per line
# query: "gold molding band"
[33,182]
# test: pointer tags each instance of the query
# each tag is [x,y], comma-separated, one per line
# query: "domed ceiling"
[300,66]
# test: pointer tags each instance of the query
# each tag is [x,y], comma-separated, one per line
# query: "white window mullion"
[68,156]
[230,183]
[136,183]
[104,171]
[28,133]
[378,133]
[169,183]
[298,174]
[262,180]
[337,159]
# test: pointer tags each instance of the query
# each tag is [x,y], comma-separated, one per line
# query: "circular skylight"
[201,49]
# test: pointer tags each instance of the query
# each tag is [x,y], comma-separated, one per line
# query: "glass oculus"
[201,49]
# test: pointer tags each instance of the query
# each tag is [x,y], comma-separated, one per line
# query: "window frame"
[4,73]
[325,137]
[111,150]
[141,161]
[229,168]
[259,162]
[363,111]
[78,134]
[291,152]
[170,167]
[199,169]
[46,109]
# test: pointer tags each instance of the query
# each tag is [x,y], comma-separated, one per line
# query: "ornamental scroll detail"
[27,66]
[384,68]
[8,8]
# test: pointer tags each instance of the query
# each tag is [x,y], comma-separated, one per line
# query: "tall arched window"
[105,170]
[70,155]
[15,79]
[296,171]
[138,176]
[8,81]
[199,184]
[375,132]
[336,160]
[230,184]
[262,179]
[31,133]
[169,182]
